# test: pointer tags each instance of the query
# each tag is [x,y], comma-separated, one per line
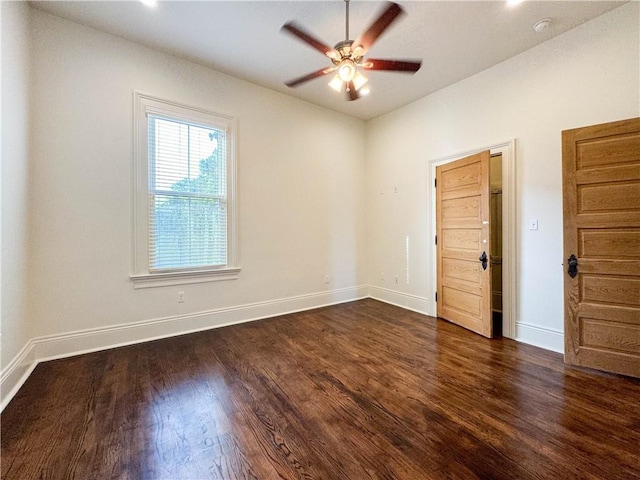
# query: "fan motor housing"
[345,51]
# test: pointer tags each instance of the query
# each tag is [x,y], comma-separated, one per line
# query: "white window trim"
[141,276]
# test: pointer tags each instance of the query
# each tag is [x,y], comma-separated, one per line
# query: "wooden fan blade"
[311,76]
[352,93]
[376,29]
[307,38]
[408,66]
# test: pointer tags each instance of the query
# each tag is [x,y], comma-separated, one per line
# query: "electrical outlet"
[396,279]
[180,297]
[327,279]
[382,276]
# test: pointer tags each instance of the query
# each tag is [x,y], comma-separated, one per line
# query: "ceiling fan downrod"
[346,37]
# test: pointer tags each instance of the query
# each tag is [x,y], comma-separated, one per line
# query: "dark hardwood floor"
[362,390]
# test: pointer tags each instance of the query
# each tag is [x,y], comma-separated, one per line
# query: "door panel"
[466,303]
[461,210]
[616,243]
[601,206]
[466,176]
[608,197]
[612,151]
[604,334]
[610,289]
[458,242]
[465,271]
[463,230]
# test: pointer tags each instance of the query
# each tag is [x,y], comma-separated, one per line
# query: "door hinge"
[435,182]
[436,239]
[436,296]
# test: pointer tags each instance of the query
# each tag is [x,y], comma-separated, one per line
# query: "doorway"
[495,215]
[503,293]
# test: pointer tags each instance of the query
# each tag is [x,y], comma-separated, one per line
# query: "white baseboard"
[16,373]
[84,341]
[68,344]
[399,299]
[542,337]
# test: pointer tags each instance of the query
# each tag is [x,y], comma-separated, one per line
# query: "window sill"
[152,280]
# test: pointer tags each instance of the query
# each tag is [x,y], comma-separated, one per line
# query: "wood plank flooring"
[361,390]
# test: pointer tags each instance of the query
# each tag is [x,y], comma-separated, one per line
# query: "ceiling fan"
[347,56]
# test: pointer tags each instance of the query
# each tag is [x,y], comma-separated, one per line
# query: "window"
[184,212]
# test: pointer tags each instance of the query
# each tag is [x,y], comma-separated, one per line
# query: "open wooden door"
[601,198]
[463,243]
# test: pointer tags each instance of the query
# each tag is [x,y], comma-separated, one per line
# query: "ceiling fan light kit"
[347,70]
[347,56]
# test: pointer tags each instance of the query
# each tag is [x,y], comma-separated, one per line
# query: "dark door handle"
[483,259]
[573,266]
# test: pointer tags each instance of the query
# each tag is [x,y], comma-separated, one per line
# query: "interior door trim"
[509,222]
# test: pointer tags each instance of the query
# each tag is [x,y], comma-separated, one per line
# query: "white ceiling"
[454,39]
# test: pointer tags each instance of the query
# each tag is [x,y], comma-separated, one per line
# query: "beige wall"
[14,266]
[301,200]
[586,76]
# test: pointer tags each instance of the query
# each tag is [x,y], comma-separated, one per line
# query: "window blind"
[187,195]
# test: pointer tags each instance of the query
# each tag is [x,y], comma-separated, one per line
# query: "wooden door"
[601,206]
[463,235]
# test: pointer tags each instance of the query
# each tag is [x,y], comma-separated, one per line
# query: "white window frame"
[142,277]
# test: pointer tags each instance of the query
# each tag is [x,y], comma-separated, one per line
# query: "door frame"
[509,243]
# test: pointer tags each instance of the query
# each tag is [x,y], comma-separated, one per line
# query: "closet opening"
[495,181]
